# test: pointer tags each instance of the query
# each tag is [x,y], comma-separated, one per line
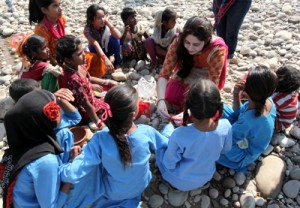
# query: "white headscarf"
[167,39]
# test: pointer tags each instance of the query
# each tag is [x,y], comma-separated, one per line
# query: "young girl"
[103,37]
[71,57]
[197,53]
[30,175]
[189,160]
[122,152]
[35,53]
[286,96]
[51,24]
[163,35]
[252,122]
[132,39]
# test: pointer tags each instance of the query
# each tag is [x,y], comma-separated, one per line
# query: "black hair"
[203,100]
[260,84]
[168,14]
[33,45]
[288,79]
[91,13]
[65,47]
[122,100]
[202,29]
[35,10]
[127,12]
[20,87]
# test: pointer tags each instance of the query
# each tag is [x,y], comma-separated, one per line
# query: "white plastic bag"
[146,87]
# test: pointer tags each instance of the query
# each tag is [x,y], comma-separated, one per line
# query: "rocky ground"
[270,35]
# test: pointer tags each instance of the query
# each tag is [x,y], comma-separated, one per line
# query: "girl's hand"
[64,93]
[97,87]
[162,109]
[106,20]
[112,83]
[127,29]
[239,86]
[75,151]
[109,66]
[177,119]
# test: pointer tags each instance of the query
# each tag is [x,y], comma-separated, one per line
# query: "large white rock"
[269,176]
[7,31]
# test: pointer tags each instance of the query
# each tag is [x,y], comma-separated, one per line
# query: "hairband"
[106,108]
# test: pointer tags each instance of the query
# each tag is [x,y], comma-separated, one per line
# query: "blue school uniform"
[63,134]
[189,160]
[80,194]
[250,136]
[123,185]
[29,190]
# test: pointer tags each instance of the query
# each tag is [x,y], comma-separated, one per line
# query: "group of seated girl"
[42,168]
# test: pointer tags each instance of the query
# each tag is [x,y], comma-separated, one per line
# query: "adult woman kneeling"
[196,54]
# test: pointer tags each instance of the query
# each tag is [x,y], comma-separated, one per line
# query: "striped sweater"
[286,109]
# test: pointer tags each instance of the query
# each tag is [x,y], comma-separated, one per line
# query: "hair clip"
[106,108]
[51,111]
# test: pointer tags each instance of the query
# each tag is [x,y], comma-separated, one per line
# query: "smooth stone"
[140,65]
[213,193]
[132,63]
[5,105]
[224,202]
[276,138]
[298,200]
[296,159]
[228,182]
[295,173]
[291,188]
[7,32]
[195,192]
[247,201]
[283,34]
[4,79]
[187,204]
[235,189]
[205,202]
[163,188]
[259,201]
[239,178]
[118,76]
[273,206]
[197,198]
[7,70]
[235,197]
[294,19]
[268,181]
[134,76]
[295,132]
[177,198]
[227,193]
[156,201]
[286,142]
[2,132]
[268,150]
[144,72]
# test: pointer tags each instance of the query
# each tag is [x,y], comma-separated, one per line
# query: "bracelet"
[160,100]
[106,82]
[103,56]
